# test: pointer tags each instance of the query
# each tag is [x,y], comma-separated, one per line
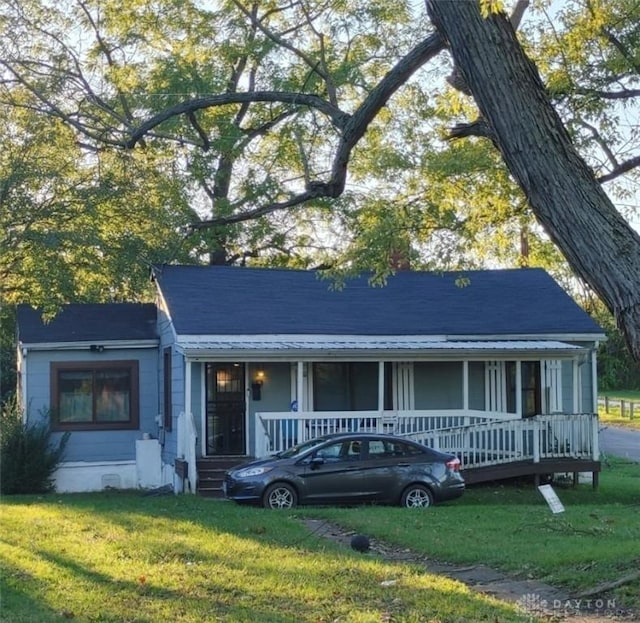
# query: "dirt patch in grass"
[544,602]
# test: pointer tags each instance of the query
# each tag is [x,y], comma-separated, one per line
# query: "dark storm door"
[225,395]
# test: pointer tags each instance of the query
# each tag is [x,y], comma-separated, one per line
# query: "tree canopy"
[319,132]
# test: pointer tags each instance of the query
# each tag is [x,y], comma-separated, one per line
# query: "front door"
[225,408]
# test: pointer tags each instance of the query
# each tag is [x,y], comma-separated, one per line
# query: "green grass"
[123,557]
[126,558]
[596,539]
[614,416]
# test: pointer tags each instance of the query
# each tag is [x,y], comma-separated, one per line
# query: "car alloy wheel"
[417,496]
[280,495]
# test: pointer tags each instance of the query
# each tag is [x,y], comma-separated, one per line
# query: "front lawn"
[509,526]
[125,558]
[122,557]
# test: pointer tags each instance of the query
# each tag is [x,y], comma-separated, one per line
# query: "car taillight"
[454,464]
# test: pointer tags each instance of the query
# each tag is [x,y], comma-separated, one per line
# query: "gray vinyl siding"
[275,395]
[94,446]
[438,385]
[567,387]
[476,385]
[587,387]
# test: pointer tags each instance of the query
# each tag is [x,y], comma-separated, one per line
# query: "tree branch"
[622,168]
[337,116]
[191,115]
[257,23]
[610,95]
[353,127]
[108,55]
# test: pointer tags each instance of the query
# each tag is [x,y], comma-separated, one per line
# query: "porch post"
[465,392]
[300,397]
[381,386]
[191,432]
[465,385]
[187,386]
[594,380]
[577,403]
[519,388]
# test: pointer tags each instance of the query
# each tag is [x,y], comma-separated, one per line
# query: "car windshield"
[300,448]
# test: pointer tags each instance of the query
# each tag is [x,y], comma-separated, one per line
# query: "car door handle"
[403,464]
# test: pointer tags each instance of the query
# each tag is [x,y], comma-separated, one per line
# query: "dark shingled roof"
[89,322]
[223,300]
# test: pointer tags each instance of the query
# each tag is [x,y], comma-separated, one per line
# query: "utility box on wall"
[148,463]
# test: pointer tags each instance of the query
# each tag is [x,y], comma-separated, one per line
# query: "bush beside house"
[28,458]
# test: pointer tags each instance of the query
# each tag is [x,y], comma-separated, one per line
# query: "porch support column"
[190,432]
[187,400]
[381,386]
[300,387]
[594,391]
[465,385]
[594,379]
[577,403]
[187,386]
[519,388]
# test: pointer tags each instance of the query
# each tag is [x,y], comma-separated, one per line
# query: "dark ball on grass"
[360,543]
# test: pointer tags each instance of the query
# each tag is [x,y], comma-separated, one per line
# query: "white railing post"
[263,435]
[536,441]
[595,441]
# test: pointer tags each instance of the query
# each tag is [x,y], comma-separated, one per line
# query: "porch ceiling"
[301,346]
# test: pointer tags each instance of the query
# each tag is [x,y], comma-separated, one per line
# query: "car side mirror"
[316,462]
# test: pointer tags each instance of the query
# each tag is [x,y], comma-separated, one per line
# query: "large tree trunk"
[563,193]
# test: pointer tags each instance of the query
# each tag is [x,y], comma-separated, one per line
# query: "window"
[345,386]
[94,396]
[530,380]
[167,397]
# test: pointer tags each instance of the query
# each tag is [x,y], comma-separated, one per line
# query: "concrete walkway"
[541,601]
[622,442]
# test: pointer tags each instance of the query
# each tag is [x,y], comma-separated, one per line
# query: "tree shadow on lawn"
[214,561]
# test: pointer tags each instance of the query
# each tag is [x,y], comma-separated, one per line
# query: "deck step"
[211,471]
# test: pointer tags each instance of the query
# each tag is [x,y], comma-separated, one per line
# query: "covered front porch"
[490,403]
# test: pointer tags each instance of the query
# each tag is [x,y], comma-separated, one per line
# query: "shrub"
[28,458]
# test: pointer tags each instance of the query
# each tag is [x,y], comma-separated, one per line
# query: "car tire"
[280,495]
[416,496]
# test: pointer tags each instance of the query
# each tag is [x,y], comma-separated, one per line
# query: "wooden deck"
[491,446]
[539,470]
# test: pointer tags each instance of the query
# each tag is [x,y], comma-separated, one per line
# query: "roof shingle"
[87,322]
[223,300]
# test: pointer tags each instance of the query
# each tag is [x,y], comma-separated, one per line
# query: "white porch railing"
[277,431]
[187,447]
[541,437]
[478,438]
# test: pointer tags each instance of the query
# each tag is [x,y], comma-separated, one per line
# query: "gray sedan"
[348,468]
